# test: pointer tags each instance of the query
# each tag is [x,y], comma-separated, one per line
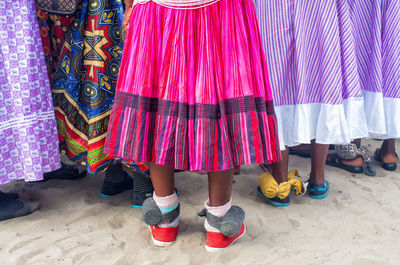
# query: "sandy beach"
[359,223]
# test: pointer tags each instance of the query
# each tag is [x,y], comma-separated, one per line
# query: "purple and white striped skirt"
[377,37]
[313,72]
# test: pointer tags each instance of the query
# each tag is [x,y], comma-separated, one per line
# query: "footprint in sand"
[24,259]
[295,224]
[396,182]
[87,213]
[368,262]
[117,222]
[22,244]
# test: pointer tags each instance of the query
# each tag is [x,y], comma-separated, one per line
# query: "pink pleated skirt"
[193,91]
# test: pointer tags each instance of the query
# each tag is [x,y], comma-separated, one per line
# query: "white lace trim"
[180,4]
[26,121]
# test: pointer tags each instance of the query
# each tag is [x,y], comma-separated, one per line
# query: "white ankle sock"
[217,211]
[167,204]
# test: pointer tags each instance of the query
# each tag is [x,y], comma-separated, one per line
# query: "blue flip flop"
[277,202]
[318,191]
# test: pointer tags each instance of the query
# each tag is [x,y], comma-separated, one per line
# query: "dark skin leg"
[220,183]
[357,142]
[319,154]
[281,168]
[388,151]
[162,178]
[220,187]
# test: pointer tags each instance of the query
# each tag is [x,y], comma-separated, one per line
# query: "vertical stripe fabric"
[376,27]
[193,91]
[312,65]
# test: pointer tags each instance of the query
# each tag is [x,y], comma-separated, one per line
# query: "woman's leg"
[220,187]
[163,231]
[218,204]
[319,153]
[162,178]
[281,168]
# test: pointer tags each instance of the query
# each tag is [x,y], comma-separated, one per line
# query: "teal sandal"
[318,191]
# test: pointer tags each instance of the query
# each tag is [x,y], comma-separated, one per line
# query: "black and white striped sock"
[115,173]
[142,183]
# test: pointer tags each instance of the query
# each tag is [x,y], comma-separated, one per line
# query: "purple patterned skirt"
[28,129]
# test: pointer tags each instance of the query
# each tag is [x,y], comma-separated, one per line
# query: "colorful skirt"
[85,80]
[377,37]
[52,30]
[28,129]
[313,71]
[193,93]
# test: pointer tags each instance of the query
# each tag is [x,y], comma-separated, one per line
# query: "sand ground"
[359,223]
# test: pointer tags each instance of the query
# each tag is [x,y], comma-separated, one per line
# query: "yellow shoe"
[272,192]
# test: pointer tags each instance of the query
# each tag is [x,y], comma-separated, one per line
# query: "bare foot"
[388,158]
[387,152]
[357,162]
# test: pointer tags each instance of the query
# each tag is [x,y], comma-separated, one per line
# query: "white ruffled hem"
[383,115]
[326,123]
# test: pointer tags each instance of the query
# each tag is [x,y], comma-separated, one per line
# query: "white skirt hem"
[326,123]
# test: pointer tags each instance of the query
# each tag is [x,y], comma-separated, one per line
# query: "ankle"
[317,179]
[282,178]
[167,204]
[218,211]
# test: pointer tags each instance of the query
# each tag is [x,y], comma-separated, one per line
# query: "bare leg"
[319,153]
[220,187]
[357,142]
[388,151]
[166,200]
[163,179]
[281,168]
